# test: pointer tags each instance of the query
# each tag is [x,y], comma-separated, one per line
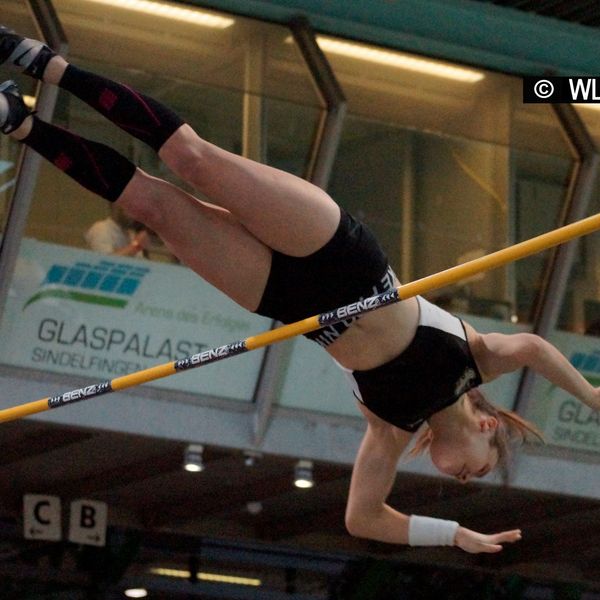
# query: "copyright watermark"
[543,89]
[582,90]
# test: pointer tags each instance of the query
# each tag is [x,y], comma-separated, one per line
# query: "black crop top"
[432,373]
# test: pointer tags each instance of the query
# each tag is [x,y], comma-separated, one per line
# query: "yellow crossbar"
[421,286]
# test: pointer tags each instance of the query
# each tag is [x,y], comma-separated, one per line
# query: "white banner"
[565,421]
[75,311]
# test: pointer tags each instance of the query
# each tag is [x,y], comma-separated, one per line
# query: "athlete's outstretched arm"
[497,354]
[368,515]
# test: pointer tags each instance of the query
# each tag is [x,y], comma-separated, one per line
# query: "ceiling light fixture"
[251,457]
[215,577]
[303,474]
[254,507]
[172,11]
[192,458]
[594,106]
[400,60]
[136,593]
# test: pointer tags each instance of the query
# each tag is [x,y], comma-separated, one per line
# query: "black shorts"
[351,266]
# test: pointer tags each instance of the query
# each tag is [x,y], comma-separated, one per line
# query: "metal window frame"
[320,165]
[322,157]
[51,31]
[560,264]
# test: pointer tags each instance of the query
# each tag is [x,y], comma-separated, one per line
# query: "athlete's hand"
[473,542]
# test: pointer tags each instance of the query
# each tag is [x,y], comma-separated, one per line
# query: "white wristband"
[425,531]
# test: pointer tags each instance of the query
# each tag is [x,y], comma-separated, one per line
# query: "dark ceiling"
[585,12]
[298,539]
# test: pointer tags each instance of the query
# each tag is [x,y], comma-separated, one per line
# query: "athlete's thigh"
[206,238]
[287,213]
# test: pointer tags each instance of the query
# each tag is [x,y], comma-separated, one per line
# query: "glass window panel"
[435,158]
[580,311]
[9,156]
[564,421]
[16,14]
[245,88]
[433,201]
[288,138]
[421,93]
[227,57]
[535,127]
[541,183]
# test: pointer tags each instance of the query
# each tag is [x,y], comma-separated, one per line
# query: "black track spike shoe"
[12,112]
[30,56]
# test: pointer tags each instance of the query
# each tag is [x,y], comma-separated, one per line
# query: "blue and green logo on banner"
[105,283]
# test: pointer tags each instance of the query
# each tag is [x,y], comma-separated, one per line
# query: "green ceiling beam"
[460,30]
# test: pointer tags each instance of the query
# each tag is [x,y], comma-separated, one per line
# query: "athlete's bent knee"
[142,199]
[184,153]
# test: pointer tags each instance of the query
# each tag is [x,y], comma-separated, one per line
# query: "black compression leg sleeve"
[141,116]
[95,166]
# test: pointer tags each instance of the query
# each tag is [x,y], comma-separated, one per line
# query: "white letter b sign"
[88,522]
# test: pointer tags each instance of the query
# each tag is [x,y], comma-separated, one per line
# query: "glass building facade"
[444,162]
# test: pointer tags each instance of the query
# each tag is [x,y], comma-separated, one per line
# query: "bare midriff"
[377,337]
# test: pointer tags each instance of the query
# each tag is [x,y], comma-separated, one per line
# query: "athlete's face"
[468,453]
